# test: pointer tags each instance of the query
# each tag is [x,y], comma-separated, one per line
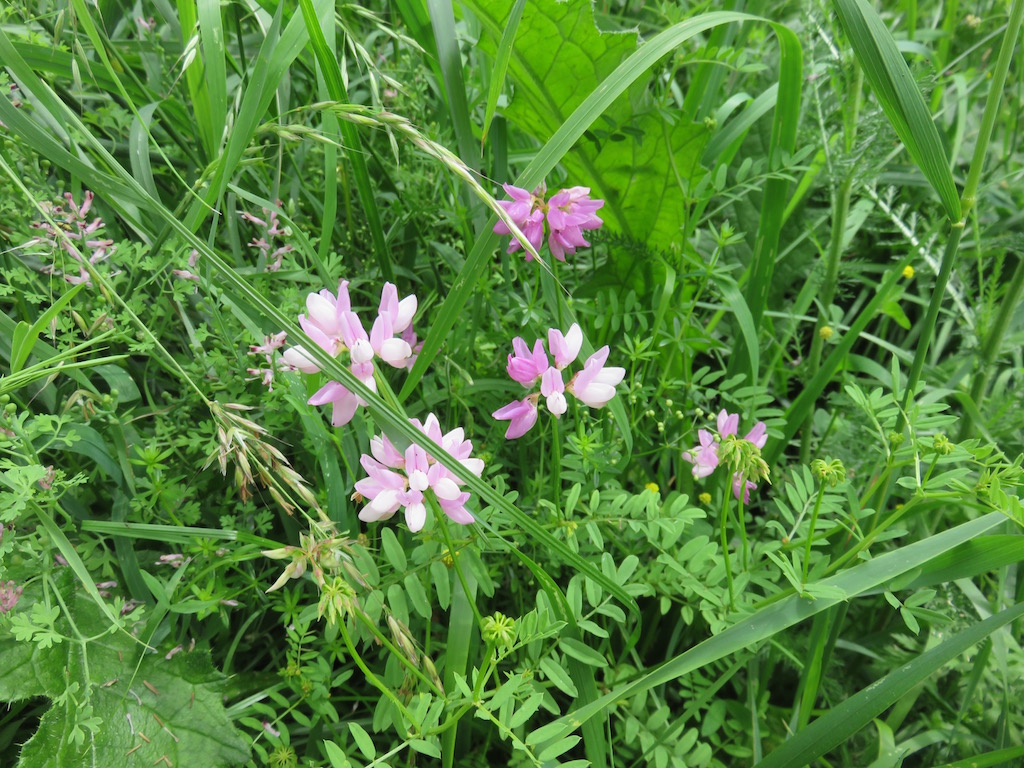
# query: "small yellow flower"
[652,487]
[908,272]
[826,332]
[705,498]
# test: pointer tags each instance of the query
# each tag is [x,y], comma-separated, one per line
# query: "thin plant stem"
[810,531]
[990,348]
[967,199]
[724,523]
[442,522]
[372,678]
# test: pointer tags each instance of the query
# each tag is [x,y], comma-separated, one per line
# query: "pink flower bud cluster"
[10,593]
[568,214]
[398,480]
[704,456]
[273,256]
[593,386]
[76,235]
[336,329]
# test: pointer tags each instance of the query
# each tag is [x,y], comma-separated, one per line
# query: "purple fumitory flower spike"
[336,328]
[399,481]
[705,458]
[568,214]
[594,386]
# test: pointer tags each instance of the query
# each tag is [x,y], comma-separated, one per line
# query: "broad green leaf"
[633,158]
[176,703]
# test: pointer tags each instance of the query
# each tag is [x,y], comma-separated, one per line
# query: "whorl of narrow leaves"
[899,96]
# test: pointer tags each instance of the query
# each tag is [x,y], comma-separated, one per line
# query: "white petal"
[445,488]
[415,517]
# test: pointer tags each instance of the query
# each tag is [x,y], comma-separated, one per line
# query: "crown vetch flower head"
[397,480]
[526,365]
[704,457]
[525,209]
[568,214]
[594,386]
[742,456]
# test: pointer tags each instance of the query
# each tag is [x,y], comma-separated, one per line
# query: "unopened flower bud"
[499,629]
[908,272]
[705,498]
[895,439]
[826,332]
[942,445]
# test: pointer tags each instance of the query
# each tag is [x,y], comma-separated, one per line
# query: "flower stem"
[810,531]
[990,347]
[372,678]
[724,522]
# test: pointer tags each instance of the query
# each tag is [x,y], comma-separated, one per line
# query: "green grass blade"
[211,39]
[896,91]
[776,190]
[442,20]
[843,721]
[735,302]
[25,336]
[197,91]
[508,38]
[988,759]
[336,88]
[775,618]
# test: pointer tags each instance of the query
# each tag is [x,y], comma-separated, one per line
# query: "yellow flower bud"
[908,272]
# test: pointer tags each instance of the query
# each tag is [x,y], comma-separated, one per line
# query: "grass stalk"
[968,199]
[991,346]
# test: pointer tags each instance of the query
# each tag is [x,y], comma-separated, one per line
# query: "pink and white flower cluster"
[336,329]
[568,213]
[76,235]
[705,456]
[399,480]
[593,386]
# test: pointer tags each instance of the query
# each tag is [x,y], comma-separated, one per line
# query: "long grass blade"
[771,620]
[501,59]
[844,720]
[897,93]
[336,88]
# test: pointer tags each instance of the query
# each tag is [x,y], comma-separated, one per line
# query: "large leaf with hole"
[113,703]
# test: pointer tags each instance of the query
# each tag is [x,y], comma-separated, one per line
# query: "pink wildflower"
[393,316]
[705,456]
[398,481]
[526,366]
[595,384]
[568,214]
[526,210]
[10,593]
[522,414]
